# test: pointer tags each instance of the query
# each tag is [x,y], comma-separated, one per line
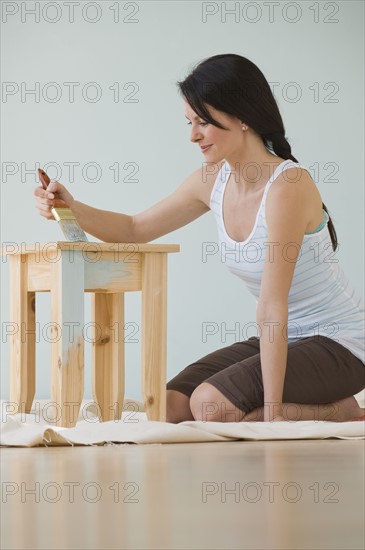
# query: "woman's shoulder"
[298,174]
[205,177]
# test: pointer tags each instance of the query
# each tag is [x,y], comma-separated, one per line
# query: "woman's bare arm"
[185,204]
[110,227]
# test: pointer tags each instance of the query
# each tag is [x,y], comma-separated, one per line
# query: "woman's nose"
[195,135]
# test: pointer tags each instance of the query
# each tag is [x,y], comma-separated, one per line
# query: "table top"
[89,246]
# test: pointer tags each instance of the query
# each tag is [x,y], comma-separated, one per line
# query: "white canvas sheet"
[29,430]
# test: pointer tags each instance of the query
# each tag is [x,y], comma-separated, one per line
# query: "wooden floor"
[262,495]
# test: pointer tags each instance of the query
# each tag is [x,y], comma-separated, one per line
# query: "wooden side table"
[108,270]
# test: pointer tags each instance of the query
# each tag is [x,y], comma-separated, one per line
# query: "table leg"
[23,336]
[108,354]
[154,327]
[67,342]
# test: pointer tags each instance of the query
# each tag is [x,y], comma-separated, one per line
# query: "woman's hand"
[273,412]
[55,196]
[278,418]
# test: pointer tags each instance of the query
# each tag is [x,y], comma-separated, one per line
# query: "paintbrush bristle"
[69,224]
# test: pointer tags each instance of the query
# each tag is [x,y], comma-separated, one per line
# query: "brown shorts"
[319,370]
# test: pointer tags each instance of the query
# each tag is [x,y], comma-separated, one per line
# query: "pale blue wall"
[166,40]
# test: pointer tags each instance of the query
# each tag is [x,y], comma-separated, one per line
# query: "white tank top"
[321,299]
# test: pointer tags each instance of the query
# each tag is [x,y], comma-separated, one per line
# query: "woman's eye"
[201,123]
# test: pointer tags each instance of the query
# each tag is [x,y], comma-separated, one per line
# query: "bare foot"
[346,409]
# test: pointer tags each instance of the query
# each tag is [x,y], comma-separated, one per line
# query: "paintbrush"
[64,216]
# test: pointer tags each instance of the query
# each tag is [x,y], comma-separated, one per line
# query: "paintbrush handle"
[44,178]
[45,181]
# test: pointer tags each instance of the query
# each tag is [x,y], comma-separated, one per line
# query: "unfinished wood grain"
[22,331]
[108,272]
[88,247]
[68,270]
[103,272]
[108,354]
[39,274]
[154,332]
[67,346]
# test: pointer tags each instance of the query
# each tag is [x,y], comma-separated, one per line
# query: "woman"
[308,359]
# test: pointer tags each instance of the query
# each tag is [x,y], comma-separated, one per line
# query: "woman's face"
[215,143]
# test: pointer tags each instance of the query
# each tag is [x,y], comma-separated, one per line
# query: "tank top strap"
[224,172]
[288,163]
[219,184]
[222,177]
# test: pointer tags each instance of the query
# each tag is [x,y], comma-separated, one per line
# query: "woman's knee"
[177,407]
[207,403]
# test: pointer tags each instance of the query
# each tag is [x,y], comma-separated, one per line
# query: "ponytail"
[277,142]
